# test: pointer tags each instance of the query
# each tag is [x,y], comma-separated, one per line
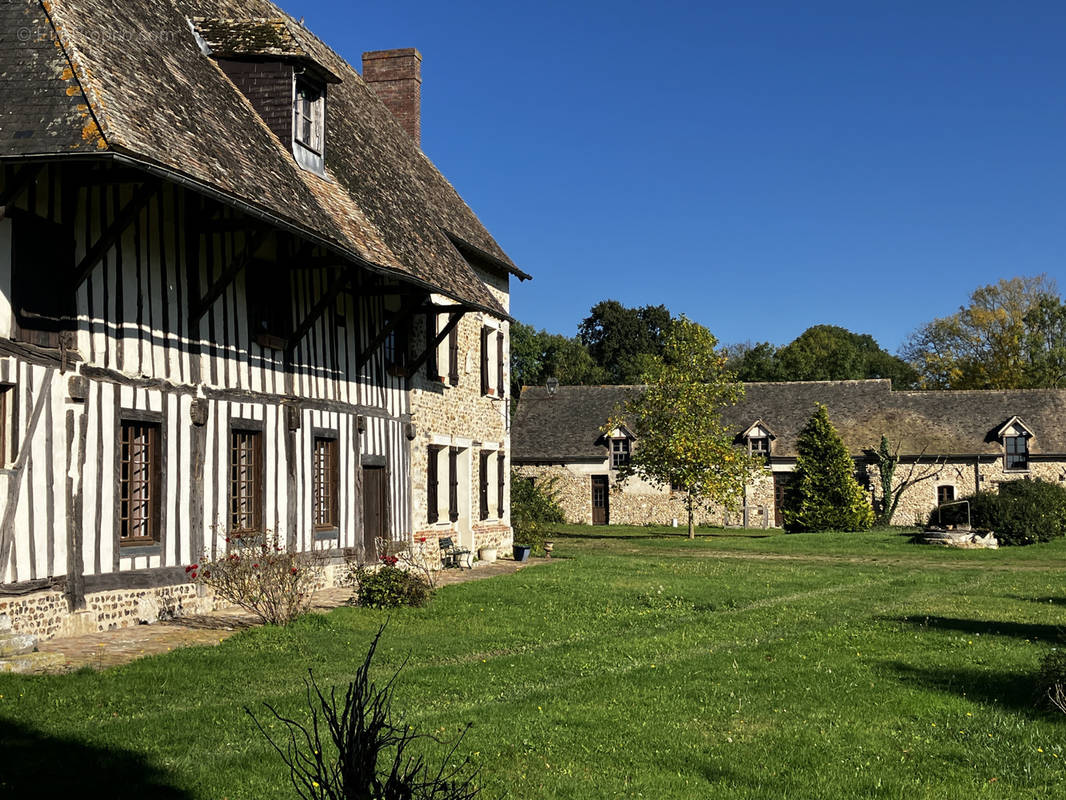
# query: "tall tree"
[1011,335]
[822,353]
[681,440]
[620,339]
[823,494]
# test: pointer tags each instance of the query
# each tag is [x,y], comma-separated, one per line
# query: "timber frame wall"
[161,331]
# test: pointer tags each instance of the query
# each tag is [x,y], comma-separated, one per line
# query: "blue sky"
[761,167]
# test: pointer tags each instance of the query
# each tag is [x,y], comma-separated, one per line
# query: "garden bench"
[451,554]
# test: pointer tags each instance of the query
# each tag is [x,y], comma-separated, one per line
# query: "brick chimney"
[395,76]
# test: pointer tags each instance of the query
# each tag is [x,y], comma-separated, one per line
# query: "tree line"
[1011,335]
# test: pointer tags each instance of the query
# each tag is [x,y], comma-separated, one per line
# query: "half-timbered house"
[234,295]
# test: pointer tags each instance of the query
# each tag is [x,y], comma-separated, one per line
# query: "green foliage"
[823,494]
[821,353]
[1012,335]
[886,462]
[539,355]
[1021,512]
[534,506]
[681,439]
[388,586]
[621,340]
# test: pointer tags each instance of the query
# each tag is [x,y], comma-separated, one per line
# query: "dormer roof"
[273,38]
[1012,427]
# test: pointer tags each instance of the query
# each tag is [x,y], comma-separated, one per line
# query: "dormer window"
[760,446]
[758,437]
[619,453]
[309,125]
[1015,436]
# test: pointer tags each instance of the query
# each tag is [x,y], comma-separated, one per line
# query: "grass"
[637,664]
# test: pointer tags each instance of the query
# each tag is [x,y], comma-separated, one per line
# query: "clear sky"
[761,167]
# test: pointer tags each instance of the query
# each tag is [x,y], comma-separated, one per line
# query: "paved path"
[120,646]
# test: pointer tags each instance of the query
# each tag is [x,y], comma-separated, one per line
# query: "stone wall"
[638,502]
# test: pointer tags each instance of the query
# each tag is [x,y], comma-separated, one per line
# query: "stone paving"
[120,646]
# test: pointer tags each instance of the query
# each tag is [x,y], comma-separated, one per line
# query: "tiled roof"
[566,426]
[137,73]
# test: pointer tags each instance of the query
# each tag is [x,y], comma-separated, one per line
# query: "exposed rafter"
[453,320]
[19,183]
[252,244]
[114,232]
[340,282]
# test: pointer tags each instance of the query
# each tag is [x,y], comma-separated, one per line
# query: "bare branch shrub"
[352,749]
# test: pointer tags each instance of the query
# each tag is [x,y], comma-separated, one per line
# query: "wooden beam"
[215,291]
[403,315]
[19,183]
[324,302]
[453,320]
[114,231]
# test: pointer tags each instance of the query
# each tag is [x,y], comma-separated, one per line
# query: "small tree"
[891,489]
[534,506]
[681,439]
[823,494]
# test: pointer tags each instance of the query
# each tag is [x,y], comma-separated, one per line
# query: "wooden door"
[374,520]
[781,481]
[601,512]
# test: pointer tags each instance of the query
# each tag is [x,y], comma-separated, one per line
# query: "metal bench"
[451,554]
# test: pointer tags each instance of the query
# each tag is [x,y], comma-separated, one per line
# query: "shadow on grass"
[1018,630]
[682,535]
[1054,601]
[36,765]
[1009,690]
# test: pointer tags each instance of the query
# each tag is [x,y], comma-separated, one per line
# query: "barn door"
[374,523]
[601,512]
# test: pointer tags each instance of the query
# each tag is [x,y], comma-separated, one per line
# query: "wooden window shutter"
[499,364]
[485,383]
[501,482]
[431,486]
[483,484]
[453,356]
[453,484]
[432,370]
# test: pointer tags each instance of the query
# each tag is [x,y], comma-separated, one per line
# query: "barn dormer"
[1015,436]
[285,85]
[759,439]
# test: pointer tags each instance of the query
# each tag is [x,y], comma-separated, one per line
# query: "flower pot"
[521,552]
[548,547]
[487,554]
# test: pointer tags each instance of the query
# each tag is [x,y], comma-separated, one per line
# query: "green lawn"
[637,664]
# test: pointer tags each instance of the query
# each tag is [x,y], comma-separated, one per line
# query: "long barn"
[234,296]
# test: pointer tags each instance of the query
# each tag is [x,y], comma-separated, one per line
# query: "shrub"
[261,575]
[354,750]
[388,586]
[1021,512]
[1051,683]
[823,494]
[534,506]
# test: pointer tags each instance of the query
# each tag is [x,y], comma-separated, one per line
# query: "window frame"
[940,490]
[314,96]
[1017,460]
[325,517]
[433,484]
[155,480]
[254,429]
[501,483]
[763,449]
[483,484]
[453,484]
[620,456]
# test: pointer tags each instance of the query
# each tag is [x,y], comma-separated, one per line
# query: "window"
[1017,452]
[619,453]
[501,482]
[760,446]
[944,494]
[308,125]
[432,514]
[483,484]
[453,356]
[269,309]
[42,292]
[324,484]
[246,481]
[396,347]
[486,383]
[140,483]
[453,484]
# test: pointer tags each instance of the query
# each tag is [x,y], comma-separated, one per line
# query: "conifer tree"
[823,494]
